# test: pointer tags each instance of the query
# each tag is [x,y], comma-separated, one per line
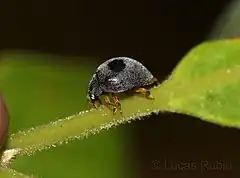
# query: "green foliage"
[204,84]
[208,83]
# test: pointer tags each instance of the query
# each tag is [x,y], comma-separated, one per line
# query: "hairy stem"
[9,173]
[167,98]
[87,122]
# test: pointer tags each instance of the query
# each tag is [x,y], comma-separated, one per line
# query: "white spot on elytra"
[113,80]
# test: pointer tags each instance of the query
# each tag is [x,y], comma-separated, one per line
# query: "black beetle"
[117,75]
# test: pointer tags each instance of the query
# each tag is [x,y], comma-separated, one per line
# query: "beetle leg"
[93,104]
[107,100]
[117,102]
[145,92]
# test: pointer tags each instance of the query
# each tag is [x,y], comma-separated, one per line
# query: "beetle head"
[94,89]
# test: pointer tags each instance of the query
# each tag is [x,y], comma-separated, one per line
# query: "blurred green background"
[42,88]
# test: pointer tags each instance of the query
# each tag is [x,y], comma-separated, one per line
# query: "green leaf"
[207,83]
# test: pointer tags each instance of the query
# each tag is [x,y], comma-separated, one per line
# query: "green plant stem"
[9,173]
[87,122]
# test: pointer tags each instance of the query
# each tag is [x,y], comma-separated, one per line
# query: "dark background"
[157,33]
